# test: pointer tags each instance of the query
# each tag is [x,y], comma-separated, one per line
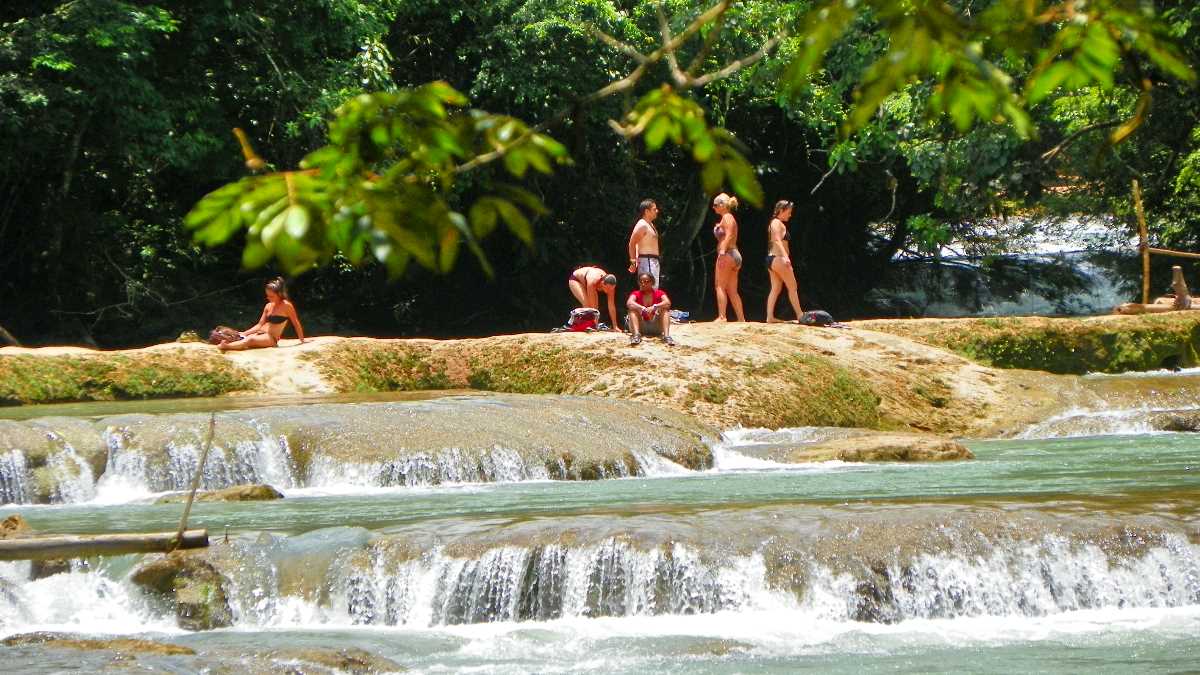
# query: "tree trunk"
[54,223]
[86,546]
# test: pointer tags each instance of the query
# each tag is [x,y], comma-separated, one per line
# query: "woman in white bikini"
[729,259]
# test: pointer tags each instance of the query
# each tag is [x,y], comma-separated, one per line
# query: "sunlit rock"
[237,493]
[191,585]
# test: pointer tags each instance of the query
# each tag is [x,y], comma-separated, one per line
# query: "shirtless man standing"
[587,283]
[643,243]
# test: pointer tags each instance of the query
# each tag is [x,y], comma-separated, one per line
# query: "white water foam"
[14,478]
[728,459]
[453,465]
[82,601]
[1082,422]
[616,578]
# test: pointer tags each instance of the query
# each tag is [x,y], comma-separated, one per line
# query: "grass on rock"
[51,379]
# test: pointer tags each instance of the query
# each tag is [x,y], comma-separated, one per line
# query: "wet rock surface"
[884,447]
[1175,420]
[456,439]
[353,661]
[237,493]
[191,585]
[71,641]
[14,526]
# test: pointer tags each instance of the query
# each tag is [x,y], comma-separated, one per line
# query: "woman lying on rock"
[278,311]
[1176,299]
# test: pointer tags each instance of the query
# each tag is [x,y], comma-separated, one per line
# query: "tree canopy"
[894,126]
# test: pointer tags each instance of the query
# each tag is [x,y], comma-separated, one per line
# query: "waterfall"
[73,479]
[83,599]
[14,478]
[484,439]
[452,465]
[513,583]
[388,585]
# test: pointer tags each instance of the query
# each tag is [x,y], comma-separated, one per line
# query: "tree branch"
[626,83]
[664,28]
[1050,154]
[740,63]
[623,47]
[827,175]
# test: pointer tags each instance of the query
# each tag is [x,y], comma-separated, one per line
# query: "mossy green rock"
[191,585]
[1109,344]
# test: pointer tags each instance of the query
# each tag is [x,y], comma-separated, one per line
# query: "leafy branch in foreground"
[382,186]
[972,58]
[385,184]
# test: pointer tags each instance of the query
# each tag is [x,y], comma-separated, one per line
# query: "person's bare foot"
[719,319]
[771,319]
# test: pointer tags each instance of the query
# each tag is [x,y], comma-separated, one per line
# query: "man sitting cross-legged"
[649,311]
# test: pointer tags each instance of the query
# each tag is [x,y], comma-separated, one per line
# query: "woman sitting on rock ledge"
[275,315]
[1176,299]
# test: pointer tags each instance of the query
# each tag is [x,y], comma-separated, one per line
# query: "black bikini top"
[277,319]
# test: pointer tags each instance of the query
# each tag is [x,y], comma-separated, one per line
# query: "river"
[1052,552]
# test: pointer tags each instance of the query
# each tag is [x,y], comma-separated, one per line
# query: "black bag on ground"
[816,317]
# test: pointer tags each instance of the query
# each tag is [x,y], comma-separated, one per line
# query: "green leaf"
[743,179]
[255,255]
[657,131]
[703,148]
[551,146]
[483,217]
[517,223]
[1044,83]
[296,221]
[712,175]
[448,248]
[273,229]
[538,161]
[515,162]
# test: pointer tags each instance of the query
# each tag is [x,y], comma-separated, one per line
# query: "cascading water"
[501,439]
[14,478]
[1069,283]
[1033,554]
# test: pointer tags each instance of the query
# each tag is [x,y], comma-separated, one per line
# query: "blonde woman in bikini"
[729,259]
[779,261]
[278,311]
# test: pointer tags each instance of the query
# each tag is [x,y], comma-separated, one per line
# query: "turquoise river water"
[1054,553]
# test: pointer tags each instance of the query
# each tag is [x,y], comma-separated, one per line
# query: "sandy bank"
[725,374]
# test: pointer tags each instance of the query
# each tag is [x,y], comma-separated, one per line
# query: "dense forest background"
[116,118]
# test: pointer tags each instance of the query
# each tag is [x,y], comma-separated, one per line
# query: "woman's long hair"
[279,287]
